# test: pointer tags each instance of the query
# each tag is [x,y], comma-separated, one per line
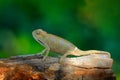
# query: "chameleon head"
[37,34]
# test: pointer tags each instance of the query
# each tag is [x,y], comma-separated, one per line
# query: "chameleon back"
[58,44]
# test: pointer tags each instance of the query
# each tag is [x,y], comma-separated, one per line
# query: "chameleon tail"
[78,52]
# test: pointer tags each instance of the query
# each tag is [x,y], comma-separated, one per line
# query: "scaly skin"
[59,45]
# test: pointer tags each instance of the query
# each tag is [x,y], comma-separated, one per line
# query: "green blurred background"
[89,24]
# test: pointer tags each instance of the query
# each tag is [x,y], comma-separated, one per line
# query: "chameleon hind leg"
[64,56]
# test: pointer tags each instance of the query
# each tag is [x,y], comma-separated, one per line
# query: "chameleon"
[59,45]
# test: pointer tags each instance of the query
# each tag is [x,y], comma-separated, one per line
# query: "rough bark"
[34,68]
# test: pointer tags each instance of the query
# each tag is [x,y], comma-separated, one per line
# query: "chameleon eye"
[37,32]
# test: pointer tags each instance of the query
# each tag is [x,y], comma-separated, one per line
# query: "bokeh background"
[89,24]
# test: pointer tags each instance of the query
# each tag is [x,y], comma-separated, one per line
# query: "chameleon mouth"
[40,41]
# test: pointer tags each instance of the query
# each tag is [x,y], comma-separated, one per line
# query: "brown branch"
[34,68]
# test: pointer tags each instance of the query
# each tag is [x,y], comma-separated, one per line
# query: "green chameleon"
[59,45]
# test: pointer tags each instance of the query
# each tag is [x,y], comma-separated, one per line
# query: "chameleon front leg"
[46,50]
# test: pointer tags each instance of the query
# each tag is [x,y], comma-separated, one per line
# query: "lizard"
[59,45]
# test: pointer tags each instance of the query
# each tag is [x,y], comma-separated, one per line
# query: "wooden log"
[34,68]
